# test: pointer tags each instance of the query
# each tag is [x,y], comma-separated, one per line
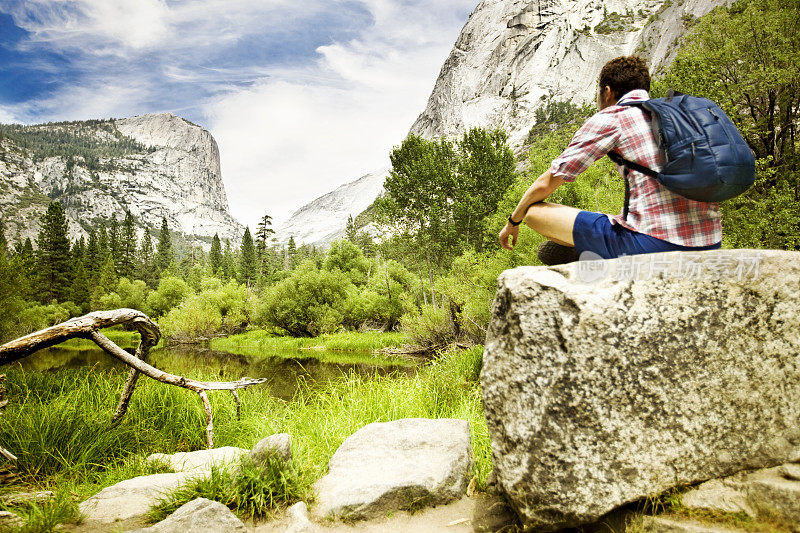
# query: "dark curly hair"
[625,74]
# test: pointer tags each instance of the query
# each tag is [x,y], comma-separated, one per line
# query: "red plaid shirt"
[653,209]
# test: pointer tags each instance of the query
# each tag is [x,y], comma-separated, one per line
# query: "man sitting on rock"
[658,220]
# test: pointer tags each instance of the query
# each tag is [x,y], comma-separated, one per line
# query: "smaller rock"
[278,445]
[721,495]
[9,520]
[199,461]
[790,471]
[298,519]
[658,524]
[17,498]
[774,496]
[130,498]
[199,515]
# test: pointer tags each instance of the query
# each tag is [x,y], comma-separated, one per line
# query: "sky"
[300,96]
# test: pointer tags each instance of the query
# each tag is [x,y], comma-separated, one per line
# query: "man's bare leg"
[554,221]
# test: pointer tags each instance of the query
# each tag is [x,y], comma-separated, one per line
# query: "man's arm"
[538,191]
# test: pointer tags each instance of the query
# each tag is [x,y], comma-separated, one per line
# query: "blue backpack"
[706,158]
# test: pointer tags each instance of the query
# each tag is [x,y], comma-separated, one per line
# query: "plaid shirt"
[653,209]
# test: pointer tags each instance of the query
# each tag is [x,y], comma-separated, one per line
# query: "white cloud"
[304,131]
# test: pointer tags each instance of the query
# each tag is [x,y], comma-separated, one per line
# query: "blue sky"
[301,96]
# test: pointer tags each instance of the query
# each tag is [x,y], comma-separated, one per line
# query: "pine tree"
[291,251]
[228,266]
[350,231]
[127,247]
[264,233]
[146,270]
[215,256]
[248,266]
[106,284]
[24,263]
[164,255]
[114,239]
[53,254]
[102,247]
[80,291]
[91,260]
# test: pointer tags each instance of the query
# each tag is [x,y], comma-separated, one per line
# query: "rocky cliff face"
[174,173]
[324,220]
[512,56]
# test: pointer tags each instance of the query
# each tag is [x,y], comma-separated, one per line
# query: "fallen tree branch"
[87,327]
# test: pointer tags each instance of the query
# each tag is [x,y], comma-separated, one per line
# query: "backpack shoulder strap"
[618,159]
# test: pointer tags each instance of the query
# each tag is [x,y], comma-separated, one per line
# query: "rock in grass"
[130,498]
[395,465]
[720,495]
[199,515]
[9,520]
[298,519]
[605,382]
[278,445]
[199,461]
[770,494]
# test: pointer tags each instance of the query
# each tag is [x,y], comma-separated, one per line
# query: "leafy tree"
[747,59]
[53,254]
[127,247]
[215,255]
[248,266]
[485,171]
[441,194]
[347,258]
[164,255]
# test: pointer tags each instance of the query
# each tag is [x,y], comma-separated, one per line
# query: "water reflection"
[285,372]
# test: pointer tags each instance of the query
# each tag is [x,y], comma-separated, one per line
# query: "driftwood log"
[87,327]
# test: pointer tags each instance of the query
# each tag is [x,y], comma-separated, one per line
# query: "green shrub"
[249,489]
[171,291]
[310,302]
[429,327]
[216,309]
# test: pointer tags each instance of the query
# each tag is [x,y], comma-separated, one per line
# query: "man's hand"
[511,232]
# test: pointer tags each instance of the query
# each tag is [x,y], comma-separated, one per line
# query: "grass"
[58,422]
[251,490]
[40,518]
[349,341]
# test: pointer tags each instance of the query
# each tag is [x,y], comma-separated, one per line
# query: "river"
[285,370]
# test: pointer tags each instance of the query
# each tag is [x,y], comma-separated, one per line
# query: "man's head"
[620,76]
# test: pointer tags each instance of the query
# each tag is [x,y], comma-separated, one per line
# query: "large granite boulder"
[386,466]
[605,382]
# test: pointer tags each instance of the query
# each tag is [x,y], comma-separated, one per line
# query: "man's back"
[654,210]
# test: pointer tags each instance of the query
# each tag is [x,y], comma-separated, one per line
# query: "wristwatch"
[511,221]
